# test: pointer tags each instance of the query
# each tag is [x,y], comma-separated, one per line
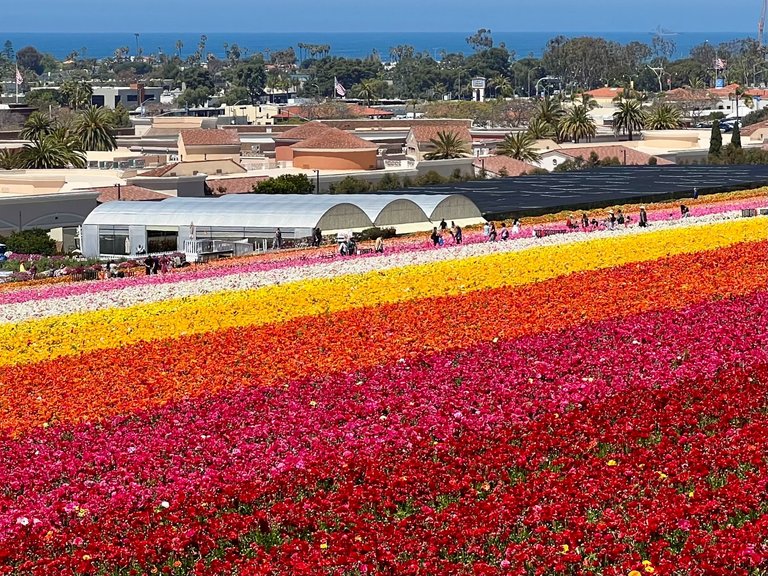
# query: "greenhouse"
[129,228]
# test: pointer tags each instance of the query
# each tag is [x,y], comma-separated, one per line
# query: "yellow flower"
[634,573]
[650,569]
[612,463]
[86,557]
[566,548]
[323,546]
[646,562]
[662,476]
[313,403]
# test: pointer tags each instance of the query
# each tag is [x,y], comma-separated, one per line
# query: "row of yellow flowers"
[37,340]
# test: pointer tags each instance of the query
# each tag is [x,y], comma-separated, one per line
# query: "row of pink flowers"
[598,448]
[302,258]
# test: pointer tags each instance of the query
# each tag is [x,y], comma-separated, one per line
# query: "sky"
[206,16]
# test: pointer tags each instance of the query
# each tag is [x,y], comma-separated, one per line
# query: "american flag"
[719,63]
[340,90]
[19,77]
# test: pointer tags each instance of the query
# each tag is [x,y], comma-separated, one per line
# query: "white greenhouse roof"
[255,210]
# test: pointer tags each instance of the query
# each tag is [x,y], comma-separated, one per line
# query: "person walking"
[458,235]
[504,231]
[695,193]
[148,264]
[584,220]
[435,237]
[643,217]
[277,242]
[492,233]
[486,229]
[620,217]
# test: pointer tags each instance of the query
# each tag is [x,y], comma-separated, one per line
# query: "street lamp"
[317,181]
[141,106]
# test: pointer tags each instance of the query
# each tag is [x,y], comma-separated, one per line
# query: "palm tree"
[550,111]
[179,46]
[10,159]
[577,124]
[76,93]
[501,86]
[367,90]
[37,126]
[629,117]
[539,129]
[51,152]
[448,145]
[587,100]
[520,146]
[94,129]
[664,117]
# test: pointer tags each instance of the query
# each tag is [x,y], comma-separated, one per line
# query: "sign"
[478,83]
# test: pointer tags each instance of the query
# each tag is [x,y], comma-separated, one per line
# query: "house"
[210,167]
[604,95]
[234,184]
[624,154]
[208,144]
[127,193]
[419,139]
[335,149]
[284,140]
[501,166]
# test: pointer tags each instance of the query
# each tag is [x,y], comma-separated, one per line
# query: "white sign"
[478,83]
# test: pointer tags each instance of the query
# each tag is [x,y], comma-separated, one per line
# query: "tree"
[629,117]
[367,90]
[30,59]
[540,129]
[736,136]
[34,241]
[480,39]
[447,145]
[577,124]
[664,117]
[43,98]
[37,126]
[120,117]
[197,77]
[95,129]
[286,184]
[520,146]
[52,152]
[550,111]
[76,94]
[193,97]
[8,52]
[716,140]
[250,75]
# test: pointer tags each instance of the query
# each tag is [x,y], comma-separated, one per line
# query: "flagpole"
[17,83]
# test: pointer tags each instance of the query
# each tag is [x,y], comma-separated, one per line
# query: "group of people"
[437,235]
[155,265]
[614,220]
[492,234]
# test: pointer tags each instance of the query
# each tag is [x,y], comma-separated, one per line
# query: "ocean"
[348,44]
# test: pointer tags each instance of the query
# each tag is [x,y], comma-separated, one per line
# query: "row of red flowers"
[590,449]
[104,383]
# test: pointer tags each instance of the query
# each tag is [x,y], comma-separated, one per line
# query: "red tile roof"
[334,139]
[160,170]
[303,131]
[243,185]
[333,110]
[426,133]
[210,137]
[752,128]
[605,92]
[634,157]
[128,192]
[495,164]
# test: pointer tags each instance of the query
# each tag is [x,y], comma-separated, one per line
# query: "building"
[118,229]
[334,149]
[625,155]
[130,97]
[208,144]
[501,167]
[284,140]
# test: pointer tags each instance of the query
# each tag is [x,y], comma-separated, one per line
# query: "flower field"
[579,404]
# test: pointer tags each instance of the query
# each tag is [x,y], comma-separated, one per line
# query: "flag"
[719,63]
[340,90]
[19,77]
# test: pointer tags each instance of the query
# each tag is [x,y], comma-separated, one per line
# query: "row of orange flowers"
[107,382]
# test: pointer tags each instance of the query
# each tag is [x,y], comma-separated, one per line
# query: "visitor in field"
[379,245]
[492,233]
[685,212]
[620,217]
[643,217]
[611,219]
[277,242]
[504,231]
[443,225]
[148,263]
[516,226]
[458,235]
[486,229]
[570,222]
[435,236]
[584,220]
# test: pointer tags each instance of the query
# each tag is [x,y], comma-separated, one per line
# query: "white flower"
[165,504]
[23,520]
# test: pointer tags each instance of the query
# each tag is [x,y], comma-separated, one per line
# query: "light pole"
[118,191]
[317,181]
[141,106]
[137,45]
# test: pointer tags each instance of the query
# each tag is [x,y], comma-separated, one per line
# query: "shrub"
[376,232]
[35,241]
[430,179]
[286,184]
[390,182]
[350,185]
